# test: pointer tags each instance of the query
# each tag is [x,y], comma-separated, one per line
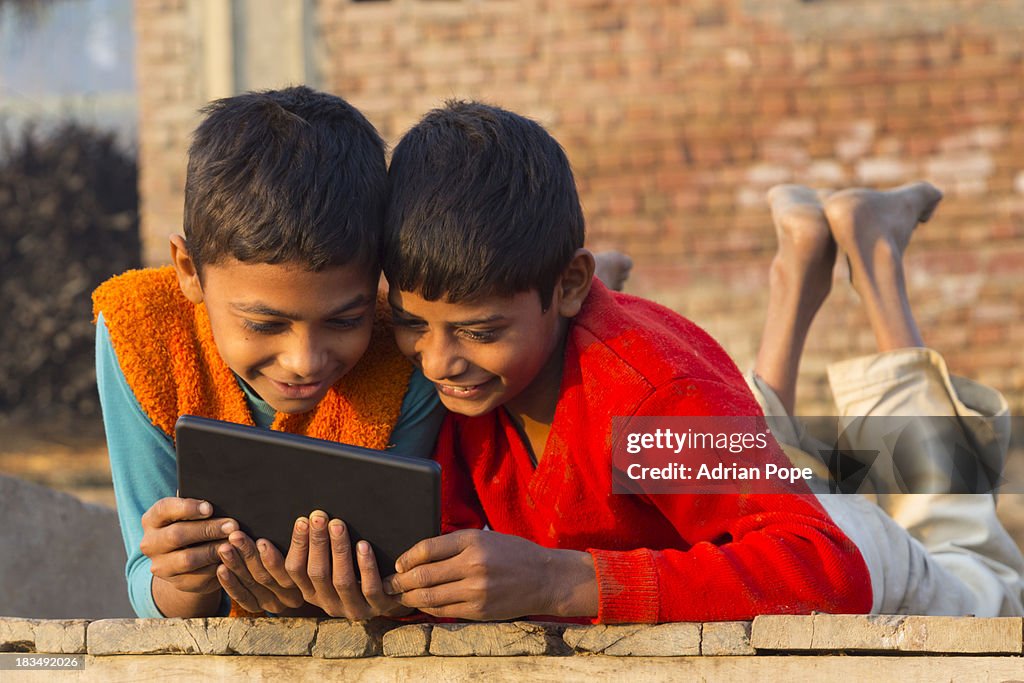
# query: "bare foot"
[861,218]
[874,228]
[612,268]
[799,282]
[806,252]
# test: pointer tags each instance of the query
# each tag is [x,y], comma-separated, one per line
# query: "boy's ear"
[185,267]
[574,284]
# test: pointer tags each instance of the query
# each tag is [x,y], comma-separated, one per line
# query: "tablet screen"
[266,480]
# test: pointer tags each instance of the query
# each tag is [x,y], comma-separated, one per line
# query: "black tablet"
[266,480]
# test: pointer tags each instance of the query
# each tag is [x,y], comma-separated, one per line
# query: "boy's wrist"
[573,583]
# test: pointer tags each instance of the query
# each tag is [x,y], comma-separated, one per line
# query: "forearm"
[140,586]
[175,603]
[780,564]
[142,464]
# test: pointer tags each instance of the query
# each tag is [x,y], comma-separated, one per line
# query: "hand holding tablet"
[270,481]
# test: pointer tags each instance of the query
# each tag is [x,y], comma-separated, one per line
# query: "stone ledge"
[412,640]
[54,636]
[635,640]
[585,669]
[516,639]
[343,639]
[340,639]
[726,639]
[213,636]
[869,633]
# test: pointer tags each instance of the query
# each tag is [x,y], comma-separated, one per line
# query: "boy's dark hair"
[279,176]
[482,202]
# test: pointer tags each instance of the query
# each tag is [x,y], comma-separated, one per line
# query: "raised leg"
[961,532]
[873,228]
[799,281]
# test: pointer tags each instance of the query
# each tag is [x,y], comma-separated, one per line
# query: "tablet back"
[266,479]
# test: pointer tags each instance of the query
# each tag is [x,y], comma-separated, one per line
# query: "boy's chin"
[291,406]
[294,407]
[466,407]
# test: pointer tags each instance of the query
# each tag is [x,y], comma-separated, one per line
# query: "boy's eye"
[411,323]
[480,335]
[345,323]
[262,327]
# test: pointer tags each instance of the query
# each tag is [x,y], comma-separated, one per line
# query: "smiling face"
[494,350]
[482,354]
[288,332]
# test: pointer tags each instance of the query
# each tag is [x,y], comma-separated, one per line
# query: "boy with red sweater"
[493,299]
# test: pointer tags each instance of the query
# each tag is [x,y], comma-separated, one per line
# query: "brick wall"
[168,67]
[679,115]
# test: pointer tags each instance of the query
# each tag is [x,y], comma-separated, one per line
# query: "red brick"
[938,51]
[842,56]
[666,131]
[775,104]
[973,46]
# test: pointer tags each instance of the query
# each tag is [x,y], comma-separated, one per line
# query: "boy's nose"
[440,357]
[304,358]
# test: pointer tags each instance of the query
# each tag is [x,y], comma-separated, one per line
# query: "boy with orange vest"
[268,316]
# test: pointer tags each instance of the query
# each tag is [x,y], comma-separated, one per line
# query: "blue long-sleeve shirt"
[144,466]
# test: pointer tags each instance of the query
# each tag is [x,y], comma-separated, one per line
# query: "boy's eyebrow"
[478,321]
[262,309]
[395,308]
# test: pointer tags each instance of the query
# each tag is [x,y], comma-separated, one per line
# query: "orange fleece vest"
[166,350]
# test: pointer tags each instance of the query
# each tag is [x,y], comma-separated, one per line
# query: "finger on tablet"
[253,577]
[371,583]
[236,591]
[273,561]
[433,598]
[168,510]
[250,555]
[297,558]
[343,574]
[230,558]
[424,576]
[186,560]
[319,563]
[433,550]
[342,567]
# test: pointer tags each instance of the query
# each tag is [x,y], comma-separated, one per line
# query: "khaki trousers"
[927,553]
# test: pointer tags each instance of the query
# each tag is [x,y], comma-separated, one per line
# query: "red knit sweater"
[658,557]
